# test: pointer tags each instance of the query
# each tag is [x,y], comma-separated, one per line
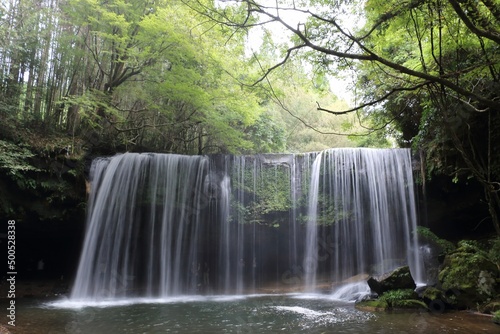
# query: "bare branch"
[269,70]
[370,55]
[371,103]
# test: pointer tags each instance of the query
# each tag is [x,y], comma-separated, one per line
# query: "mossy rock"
[399,278]
[412,304]
[496,317]
[431,293]
[425,236]
[470,275]
[380,305]
[376,305]
[437,300]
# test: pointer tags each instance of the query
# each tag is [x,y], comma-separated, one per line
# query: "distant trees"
[427,71]
[138,75]
[125,75]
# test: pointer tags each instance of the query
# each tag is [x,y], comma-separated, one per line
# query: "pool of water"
[295,313]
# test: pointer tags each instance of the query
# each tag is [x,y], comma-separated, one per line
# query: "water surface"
[235,314]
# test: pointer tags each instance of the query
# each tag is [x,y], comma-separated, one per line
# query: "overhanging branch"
[371,103]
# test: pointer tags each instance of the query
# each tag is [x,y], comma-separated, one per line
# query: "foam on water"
[83,303]
[336,315]
[351,291]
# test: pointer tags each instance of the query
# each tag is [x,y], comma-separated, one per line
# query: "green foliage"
[426,235]
[14,159]
[400,294]
[456,134]
[470,271]
[496,317]
[267,135]
[372,305]
[268,194]
[402,298]
[494,251]
[40,182]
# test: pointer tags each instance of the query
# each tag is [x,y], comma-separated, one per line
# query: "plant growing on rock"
[469,271]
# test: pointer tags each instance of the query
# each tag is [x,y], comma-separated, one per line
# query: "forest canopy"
[149,76]
[427,72]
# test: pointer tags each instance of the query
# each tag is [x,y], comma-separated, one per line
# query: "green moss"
[468,268]
[431,294]
[494,251]
[425,235]
[372,305]
[470,246]
[397,297]
[409,304]
[496,317]
[470,273]
[394,299]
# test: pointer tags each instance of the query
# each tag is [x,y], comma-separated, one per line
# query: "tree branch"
[371,103]
[463,16]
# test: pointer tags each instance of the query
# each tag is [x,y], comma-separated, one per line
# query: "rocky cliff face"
[454,211]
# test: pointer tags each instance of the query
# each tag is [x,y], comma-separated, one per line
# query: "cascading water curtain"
[163,224]
[362,215]
[143,229]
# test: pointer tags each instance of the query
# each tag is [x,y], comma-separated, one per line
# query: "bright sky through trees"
[342,84]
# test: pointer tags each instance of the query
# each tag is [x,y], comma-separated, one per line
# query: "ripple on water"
[311,318]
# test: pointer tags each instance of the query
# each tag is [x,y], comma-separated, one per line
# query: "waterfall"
[311,254]
[162,225]
[362,213]
[142,208]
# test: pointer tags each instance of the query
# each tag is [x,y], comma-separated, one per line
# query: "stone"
[470,276]
[399,278]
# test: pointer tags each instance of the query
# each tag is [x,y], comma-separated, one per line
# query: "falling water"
[311,254]
[142,208]
[361,215]
[161,225]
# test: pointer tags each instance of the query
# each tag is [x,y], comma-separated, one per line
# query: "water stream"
[163,225]
[292,313]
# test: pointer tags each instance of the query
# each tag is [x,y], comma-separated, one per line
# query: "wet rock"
[436,299]
[470,276]
[399,278]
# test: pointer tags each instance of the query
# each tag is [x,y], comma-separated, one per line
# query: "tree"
[430,68]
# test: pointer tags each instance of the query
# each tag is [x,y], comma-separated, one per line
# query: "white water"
[365,198]
[311,255]
[168,225]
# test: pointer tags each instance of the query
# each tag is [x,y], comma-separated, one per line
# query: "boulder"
[399,278]
[470,275]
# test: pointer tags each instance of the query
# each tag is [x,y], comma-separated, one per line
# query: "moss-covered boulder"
[470,275]
[402,299]
[431,294]
[437,300]
[397,279]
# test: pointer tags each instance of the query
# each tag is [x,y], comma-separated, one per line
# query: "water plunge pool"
[288,313]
